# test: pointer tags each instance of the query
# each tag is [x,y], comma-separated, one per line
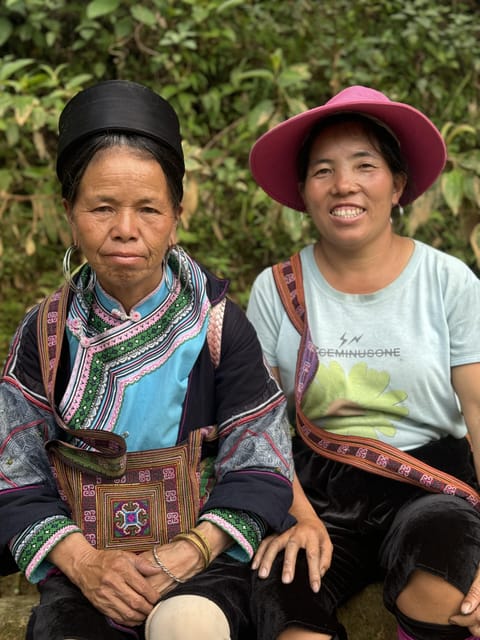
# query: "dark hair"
[75,163]
[379,136]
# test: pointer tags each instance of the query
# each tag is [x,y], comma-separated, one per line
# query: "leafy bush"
[232,69]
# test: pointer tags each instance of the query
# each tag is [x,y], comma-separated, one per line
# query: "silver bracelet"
[164,568]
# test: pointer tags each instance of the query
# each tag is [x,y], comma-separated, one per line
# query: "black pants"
[380,529]
[64,612]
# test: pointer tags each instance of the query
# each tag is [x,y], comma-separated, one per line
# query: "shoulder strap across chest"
[368,454]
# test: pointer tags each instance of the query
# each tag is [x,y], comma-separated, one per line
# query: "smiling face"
[123,221]
[349,189]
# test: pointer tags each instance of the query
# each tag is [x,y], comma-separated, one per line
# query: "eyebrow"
[354,156]
[99,197]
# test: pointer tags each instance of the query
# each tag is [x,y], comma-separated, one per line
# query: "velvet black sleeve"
[254,462]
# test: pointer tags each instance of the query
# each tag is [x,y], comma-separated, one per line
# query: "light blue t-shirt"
[385,357]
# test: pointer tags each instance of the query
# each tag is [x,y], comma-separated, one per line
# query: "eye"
[150,210]
[103,208]
[321,171]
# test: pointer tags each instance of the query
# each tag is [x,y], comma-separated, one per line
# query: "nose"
[343,182]
[125,225]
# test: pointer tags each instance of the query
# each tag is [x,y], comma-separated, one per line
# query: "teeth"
[346,213]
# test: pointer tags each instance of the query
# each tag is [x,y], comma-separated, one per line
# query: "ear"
[301,190]
[173,234]
[399,184]
[69,211]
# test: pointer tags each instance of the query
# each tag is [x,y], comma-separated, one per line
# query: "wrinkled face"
[124,222]
[349,189]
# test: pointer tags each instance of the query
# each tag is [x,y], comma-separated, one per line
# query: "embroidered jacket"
[253,465]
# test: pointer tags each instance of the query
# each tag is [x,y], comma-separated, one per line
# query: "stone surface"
[364,616]
[16,600]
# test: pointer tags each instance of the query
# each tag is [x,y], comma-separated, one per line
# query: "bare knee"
[429,598]
[187,618]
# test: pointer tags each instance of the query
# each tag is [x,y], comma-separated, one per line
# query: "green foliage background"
[232,69]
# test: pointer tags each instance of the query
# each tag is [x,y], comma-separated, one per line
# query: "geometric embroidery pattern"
[157,497]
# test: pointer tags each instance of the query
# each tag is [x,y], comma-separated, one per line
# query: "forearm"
[70,554]
[218,540]
[301,508]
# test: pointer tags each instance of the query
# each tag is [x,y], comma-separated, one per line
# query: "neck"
[364,270]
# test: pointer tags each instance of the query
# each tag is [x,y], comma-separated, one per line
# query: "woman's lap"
[64,612]
[381,529]
[436,533]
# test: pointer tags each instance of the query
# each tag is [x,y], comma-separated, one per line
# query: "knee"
[429,598]
[187,618]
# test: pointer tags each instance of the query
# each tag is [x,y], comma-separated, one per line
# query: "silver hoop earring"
[67,273]
[177,254]
[166,270]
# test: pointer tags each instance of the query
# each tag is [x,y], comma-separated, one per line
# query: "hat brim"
[273,158]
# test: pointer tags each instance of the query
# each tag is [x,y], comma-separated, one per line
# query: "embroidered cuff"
[31,547]
[246,529]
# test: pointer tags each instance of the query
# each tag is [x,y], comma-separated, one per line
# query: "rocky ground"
[364,616]
[16,600]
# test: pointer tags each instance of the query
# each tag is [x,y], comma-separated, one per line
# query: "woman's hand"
[469,615]
[183,559]
[180,559]
[309,534]
[115,582]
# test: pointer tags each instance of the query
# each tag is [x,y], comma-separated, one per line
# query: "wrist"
[159,563]
[198,540]
[71,554]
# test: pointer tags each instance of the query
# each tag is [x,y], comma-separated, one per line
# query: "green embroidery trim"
[240,525]
[37,538]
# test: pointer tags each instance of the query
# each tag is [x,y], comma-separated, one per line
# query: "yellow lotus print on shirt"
[358,403]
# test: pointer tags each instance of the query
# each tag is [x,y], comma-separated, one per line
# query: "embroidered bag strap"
[368,454]
[107,453]
[287,275]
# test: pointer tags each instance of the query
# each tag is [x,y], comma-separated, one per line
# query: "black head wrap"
[121,106]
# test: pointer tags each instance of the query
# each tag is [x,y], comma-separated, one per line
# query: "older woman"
[374,338]
[143,388]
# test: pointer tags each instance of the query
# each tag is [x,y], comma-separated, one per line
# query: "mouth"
[124,258]
[347,213]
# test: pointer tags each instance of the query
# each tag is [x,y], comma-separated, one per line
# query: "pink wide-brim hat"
[274,157]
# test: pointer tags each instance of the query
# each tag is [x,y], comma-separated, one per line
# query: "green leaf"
[78,81]
[475,242]
[228,4]
[10,68]
[294,76]
[260,114]
[452,183]
[237,77]
[13,134]
[143,15]
[99,8]
[471,189]
[292,223]
[470,161]
[5,30]
[6,179]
